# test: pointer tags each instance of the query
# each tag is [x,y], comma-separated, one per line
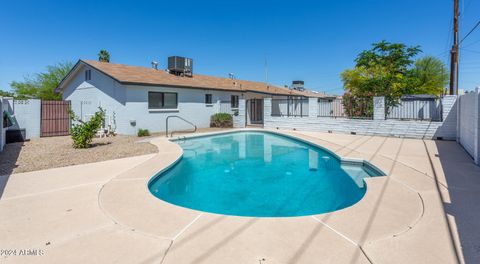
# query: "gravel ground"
[53,152]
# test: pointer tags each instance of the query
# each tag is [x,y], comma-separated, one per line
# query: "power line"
[471,43]
[470,32]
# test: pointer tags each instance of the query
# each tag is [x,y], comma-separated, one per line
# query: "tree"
[389,70]
[42,85]
[6,94]
[104,56]
[429,76]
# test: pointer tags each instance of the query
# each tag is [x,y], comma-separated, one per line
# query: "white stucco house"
[142,98]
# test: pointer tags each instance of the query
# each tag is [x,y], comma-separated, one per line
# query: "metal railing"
[331,107]
[297,107]
[416,109]
[181,118]
[354,108]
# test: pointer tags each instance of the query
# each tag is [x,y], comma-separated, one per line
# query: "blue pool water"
[259,174]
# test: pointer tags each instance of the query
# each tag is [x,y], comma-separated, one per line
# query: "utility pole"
[454,52]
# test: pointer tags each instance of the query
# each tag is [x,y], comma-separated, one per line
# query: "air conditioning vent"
[180,66]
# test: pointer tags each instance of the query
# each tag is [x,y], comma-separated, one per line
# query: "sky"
[312,41]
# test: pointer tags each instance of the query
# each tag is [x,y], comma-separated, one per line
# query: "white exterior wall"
[191,106]
[100,91]
[127,105]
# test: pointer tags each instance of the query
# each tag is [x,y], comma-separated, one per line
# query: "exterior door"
[256,111]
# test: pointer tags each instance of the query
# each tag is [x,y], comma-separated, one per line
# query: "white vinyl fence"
[468,123]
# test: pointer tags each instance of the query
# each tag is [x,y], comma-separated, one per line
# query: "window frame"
[208,96]
[234,101]
[162,101]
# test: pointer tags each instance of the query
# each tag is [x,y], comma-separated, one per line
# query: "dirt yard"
[53,152]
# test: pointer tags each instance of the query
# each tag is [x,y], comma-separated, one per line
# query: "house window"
[158,100]
[88,75]
[234,101]
[208,99]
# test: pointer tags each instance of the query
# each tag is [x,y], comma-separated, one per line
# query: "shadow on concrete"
[462,203]
[8,162]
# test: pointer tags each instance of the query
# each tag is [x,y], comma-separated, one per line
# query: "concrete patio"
[424,211]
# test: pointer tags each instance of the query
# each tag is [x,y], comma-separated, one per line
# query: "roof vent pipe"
[155,65]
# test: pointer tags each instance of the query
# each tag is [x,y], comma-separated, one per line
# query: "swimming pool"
[260,174]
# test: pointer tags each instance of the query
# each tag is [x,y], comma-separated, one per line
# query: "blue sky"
[312,41]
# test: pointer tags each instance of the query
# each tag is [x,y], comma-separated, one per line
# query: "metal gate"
[55,119]
[255,111]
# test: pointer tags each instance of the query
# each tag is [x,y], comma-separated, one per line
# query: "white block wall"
[394,128]
[27,116]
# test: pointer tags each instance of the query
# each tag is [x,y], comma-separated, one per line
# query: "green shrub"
[221,120]
[143,133]
[84,132]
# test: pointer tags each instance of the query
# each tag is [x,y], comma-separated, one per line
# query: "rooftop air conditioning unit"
[180,66]
[298,85]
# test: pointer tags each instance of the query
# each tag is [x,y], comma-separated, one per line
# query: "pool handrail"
[181,118]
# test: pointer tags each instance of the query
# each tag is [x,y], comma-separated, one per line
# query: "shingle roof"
[126,74]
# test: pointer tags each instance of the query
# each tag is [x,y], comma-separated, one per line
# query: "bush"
[84,132]
[221,120]
[143,133]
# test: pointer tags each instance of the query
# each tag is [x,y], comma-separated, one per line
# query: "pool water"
[259,174]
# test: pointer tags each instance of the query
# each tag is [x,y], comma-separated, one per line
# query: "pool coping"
[125,211]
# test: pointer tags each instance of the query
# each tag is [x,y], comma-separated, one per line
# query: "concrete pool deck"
[424,211]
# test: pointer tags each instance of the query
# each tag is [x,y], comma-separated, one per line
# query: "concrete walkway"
[103,213]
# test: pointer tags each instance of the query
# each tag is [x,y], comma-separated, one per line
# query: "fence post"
[239,120]
[312,107]
[379,108]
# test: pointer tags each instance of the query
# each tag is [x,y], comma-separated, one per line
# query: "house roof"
[135,75]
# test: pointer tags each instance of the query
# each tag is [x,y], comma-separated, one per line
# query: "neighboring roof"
[135,75]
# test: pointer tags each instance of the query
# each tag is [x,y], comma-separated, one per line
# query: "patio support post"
[379,108]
